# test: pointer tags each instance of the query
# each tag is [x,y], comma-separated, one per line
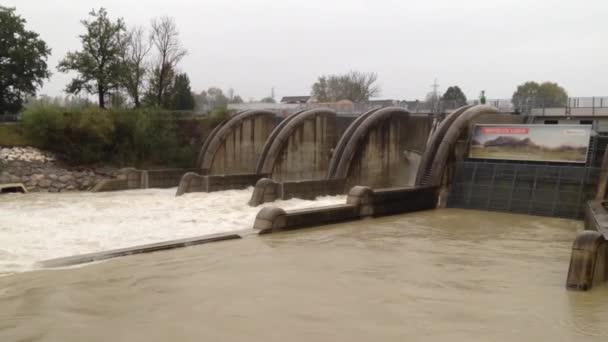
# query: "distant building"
[383,103]
[295,99]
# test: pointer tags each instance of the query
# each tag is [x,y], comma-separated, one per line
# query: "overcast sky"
[255,45]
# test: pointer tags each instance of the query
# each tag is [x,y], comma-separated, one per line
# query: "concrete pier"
[589,260]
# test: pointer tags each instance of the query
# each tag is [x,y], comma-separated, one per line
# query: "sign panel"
[547,143]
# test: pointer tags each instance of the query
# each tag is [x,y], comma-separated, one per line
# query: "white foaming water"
[39,226]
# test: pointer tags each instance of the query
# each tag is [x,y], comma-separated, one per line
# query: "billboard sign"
[547,143]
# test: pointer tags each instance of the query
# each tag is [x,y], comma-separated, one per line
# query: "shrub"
[122,137]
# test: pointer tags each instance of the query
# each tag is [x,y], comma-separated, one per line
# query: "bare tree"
[165,38]
[137,47]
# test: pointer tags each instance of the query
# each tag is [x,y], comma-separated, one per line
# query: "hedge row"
[121,137]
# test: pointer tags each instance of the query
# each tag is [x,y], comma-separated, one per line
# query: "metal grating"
[535,189]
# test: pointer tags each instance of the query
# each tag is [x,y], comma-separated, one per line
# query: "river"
[41,226]
[443,275]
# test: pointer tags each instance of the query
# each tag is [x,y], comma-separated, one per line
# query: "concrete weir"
[589,260]
[193,182]
[149,248]
[361,202]
[131,178]
[267,190]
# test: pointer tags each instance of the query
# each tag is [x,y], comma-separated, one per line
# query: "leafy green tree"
[99,64]
[354,86]
[454,95]
[23,61]
[547,94]
[181,96]
[154,85]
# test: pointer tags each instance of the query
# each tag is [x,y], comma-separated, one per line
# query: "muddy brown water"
[445,275]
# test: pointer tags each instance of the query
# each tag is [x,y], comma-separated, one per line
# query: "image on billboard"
[547,143]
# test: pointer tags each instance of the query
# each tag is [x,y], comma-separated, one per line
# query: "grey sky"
[252,46]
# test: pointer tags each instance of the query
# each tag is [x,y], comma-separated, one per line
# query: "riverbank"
[42,171]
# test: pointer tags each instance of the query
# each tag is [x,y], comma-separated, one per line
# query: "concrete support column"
[362,197]
[266,190]
[144,180]
[588,264]
[270,219]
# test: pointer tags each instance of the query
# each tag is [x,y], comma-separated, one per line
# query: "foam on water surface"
[40,226]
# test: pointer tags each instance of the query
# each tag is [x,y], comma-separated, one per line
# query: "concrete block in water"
[363,198]
[588,264]
[589,260]
[270,219]
[12,188]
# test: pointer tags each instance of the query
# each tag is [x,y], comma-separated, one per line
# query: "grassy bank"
[12,134]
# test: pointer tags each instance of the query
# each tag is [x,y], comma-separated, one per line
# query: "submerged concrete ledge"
[149,248]
[193,182]
[131,179]
[267,190]
[589,259]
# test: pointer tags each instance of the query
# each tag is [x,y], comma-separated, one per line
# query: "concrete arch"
[300,147]
[344,139]
[211,135]
[234,147]
[426,163]
[384,142]
[273,135]
[448,143]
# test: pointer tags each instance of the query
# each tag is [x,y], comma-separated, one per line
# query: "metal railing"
[10,117]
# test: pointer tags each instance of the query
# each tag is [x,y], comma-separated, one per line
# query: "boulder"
[65,178]
[45,183]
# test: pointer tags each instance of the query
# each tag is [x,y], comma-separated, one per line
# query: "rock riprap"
[27,154]
[41,171]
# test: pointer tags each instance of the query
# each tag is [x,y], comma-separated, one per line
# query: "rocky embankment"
[41,171]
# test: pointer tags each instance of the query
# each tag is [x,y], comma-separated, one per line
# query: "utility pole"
[435,87]
[272,93]
[435,97]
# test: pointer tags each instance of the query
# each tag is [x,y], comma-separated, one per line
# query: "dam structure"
[390,161]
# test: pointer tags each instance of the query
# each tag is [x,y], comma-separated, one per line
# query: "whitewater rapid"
[41,226]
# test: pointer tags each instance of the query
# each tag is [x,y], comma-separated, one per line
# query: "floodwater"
[41,226]
[444,275]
